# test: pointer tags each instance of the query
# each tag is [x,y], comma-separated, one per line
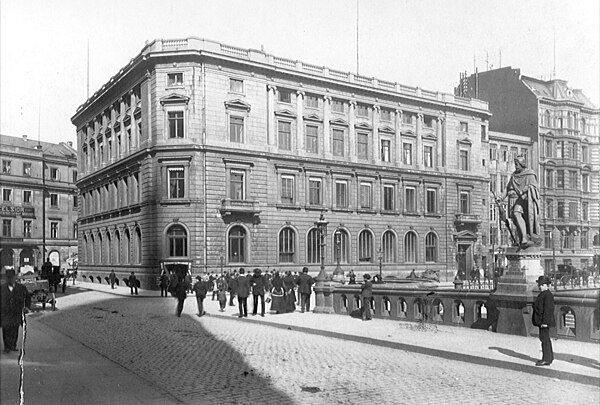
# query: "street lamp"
[321,225]
[338,273]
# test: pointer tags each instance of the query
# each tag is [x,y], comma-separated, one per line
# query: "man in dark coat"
[15,301]
[543,317]
[133,283]
[200,288]
[366,292]
[242,290]
[258,284]
[305,283]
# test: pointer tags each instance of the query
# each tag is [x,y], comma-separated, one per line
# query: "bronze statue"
[523,204]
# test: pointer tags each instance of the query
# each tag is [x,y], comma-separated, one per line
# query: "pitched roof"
[56,149]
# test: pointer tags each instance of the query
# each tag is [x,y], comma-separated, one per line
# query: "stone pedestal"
[517,289]
[324,297]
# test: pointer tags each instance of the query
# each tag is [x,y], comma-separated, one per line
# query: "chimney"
[70,143]
[25,138]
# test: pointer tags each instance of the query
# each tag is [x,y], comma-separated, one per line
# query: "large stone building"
[562,124]
[208,157]
[39,203]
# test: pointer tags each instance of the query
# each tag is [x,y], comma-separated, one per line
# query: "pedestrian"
[74,276]
[232,286]
[288,287]
[222,297]
[305,283]
[64,282]
[200,288]
[15,301]
[242,290]
[277,294]
[258,284]
[543,318]
[164,283]
[133,283]
[188,282]
[352,277]
[179,291]
[112,278]
[366,292]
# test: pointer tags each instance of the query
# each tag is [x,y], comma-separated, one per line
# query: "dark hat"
[198,278]
[305,269]
[367,276]
[543,280]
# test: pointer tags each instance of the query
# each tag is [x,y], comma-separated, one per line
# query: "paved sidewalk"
[574,361]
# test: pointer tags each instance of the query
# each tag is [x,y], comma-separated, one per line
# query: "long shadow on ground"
[177,355]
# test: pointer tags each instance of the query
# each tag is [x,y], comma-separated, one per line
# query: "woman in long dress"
[290,296]
[277,295]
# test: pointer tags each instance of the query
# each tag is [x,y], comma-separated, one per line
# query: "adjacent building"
[208,157]
[562,125]
[39,207]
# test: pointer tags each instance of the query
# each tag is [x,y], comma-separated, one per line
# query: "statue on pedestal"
[524,204]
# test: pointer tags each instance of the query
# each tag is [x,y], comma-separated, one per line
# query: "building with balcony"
[39,207]
[211,157]
[562,125]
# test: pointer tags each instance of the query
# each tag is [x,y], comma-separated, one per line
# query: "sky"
[425,43]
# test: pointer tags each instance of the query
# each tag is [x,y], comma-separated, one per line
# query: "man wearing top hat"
[543,317]
[15,301]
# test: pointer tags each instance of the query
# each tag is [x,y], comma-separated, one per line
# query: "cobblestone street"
[225,360]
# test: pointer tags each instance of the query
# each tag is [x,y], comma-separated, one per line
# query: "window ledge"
[342,209]
[175,201]
[389,212]
[433,215]
[315,208]
[412,214]
[288,206]
[366,211]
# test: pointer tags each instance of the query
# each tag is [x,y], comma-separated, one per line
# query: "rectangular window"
[493,152]
[53,173]
[366,198]
[504,153]
[314,192]
[407,153]
[284,96]
[464,127]
[341,194]
[74,176]
[572,179]
[27,194]
[237,185]
[560,149]
[236,129]
[493,182]
[561,210]
[287,189]
[27,229]
[584,245]
[572,150]
[54,230]
[175,124]
[362,145]
[549,178]
[407,118]
[483,133]
[337,106]
[362,110]
[410,199]
[560,179]
[503,182]
[514,152]
[75,200]
[584,154]
[389,200]
[6,166]
[7,228]
[312,139]
[27,169]
[385,114]
[548,239]
[385,150]
[573,210]
[584,211]
[7,194]
[176,182]
[431,201]
[428,156]
[428,122]
[338,142]
[284,135]
[549,148]
[174,79]
[464,203]
[236,85]
[464,160]
[312,101]
[53,200]
[549,209]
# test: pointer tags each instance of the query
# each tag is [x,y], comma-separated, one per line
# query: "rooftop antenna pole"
[500,61]
[39,113]
[88,69]
[356,36]
[554,68]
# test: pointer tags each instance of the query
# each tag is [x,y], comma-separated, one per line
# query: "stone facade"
[39,203]
[212,157]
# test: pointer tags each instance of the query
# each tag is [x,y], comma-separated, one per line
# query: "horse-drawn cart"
[38,289]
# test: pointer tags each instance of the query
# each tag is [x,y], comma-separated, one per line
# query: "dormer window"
[174,79]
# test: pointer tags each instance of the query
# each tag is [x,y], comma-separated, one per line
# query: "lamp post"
[338,273]
[553,257]
[380,256]
[321,225]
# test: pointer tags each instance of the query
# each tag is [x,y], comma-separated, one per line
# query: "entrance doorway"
[465,260]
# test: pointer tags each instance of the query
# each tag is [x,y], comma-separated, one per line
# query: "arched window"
[389,247]
[109,258]
[365,246]
[127,247]
[410,247]
[342,245]
[431,247]
[237,245]
[287,245]
[176,241]
[313,246]
[117,246]
[547,116]
[84,252]
[100,243]
[92,250]
[138,246]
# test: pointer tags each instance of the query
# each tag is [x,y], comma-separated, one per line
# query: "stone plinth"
[324,296]
[517,289]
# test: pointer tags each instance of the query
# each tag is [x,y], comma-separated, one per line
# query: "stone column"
[271,115]
[376,142]
[398,140]
[327,147]
[419,145]
[352,132]
[438,142]
[300,136]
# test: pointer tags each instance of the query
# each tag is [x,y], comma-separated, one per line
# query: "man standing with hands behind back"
[14,302]
[543,317]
